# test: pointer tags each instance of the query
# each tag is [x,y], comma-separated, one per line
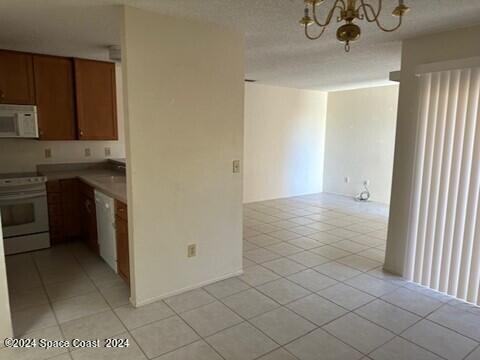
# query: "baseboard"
[391,271]
[188,288]
[352,196]
[280,197]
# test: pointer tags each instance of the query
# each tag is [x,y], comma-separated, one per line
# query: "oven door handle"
[22,196]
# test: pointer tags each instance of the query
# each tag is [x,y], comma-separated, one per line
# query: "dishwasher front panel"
[107,240]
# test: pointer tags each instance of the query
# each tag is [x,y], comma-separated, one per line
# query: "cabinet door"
[95,91]
[55,97]
[123,262]
[89,217]
[55,213]
[16,78]
[70,206]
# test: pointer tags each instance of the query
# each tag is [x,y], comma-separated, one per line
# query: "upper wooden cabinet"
[75,98]
[96,100]
[54,88]
[16,78]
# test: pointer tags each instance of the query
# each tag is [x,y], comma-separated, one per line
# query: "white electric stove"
[24,211]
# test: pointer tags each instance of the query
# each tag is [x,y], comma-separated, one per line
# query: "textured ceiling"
[277,51]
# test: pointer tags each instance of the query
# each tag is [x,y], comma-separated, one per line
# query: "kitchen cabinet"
[95,91]
[55,214]
[75,98]
[63,204]
[70,206]
[121,228]
[88,216]
[55,99]
[16,78]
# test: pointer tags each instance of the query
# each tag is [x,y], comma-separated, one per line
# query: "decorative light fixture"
[349,10]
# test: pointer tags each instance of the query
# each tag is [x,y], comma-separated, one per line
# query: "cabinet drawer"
[121,210]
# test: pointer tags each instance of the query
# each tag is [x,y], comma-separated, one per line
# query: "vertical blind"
[443,251]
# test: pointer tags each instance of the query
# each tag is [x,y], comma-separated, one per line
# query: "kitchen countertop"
[111,182]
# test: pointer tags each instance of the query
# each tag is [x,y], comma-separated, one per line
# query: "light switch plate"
[48,153]
[192,250]
[108,152]
[236,166]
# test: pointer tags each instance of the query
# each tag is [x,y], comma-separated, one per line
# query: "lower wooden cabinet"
[72,215]
[88,216]
[70,206]
[63,204]
[121,226]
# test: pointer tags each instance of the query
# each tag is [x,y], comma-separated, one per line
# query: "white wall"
[360,139]
[458,44]
[284,142]
[22,155]
[184,115]
[5,319]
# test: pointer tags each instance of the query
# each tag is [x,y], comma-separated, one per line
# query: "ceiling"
[277,52]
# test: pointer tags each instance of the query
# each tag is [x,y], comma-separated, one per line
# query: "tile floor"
[312,289]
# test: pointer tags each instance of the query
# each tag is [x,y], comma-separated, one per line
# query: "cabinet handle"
[81,132]
[2,95]
[40,132]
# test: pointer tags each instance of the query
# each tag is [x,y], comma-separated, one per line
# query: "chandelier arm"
[379,25]
[364,6]
[315,37]
[330,14]
[392,29]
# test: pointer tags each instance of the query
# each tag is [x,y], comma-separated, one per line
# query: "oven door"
[24,213]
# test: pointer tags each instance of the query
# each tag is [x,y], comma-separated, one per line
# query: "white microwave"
[18,121]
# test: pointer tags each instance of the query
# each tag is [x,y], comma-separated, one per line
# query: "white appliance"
[18,121]
[23,206]
[107,239]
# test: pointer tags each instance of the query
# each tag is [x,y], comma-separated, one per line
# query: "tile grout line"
[50,304]
[111,308]
[200,337]
[285,277]
[376,297]
[471,352]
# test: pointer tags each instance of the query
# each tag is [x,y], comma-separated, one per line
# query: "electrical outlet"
[346,179]
[48,153]
[192,250]
[108,152]
[88,152]
[236,166]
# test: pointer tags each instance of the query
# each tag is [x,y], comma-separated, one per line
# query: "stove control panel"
[20,181]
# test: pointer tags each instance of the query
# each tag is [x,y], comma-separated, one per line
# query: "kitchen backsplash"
[22,155]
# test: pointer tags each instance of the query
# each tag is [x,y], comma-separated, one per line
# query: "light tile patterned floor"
[313,288]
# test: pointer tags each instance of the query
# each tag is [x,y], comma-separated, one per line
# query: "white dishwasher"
[107,240]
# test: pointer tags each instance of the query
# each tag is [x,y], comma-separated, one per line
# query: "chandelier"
[348,11]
